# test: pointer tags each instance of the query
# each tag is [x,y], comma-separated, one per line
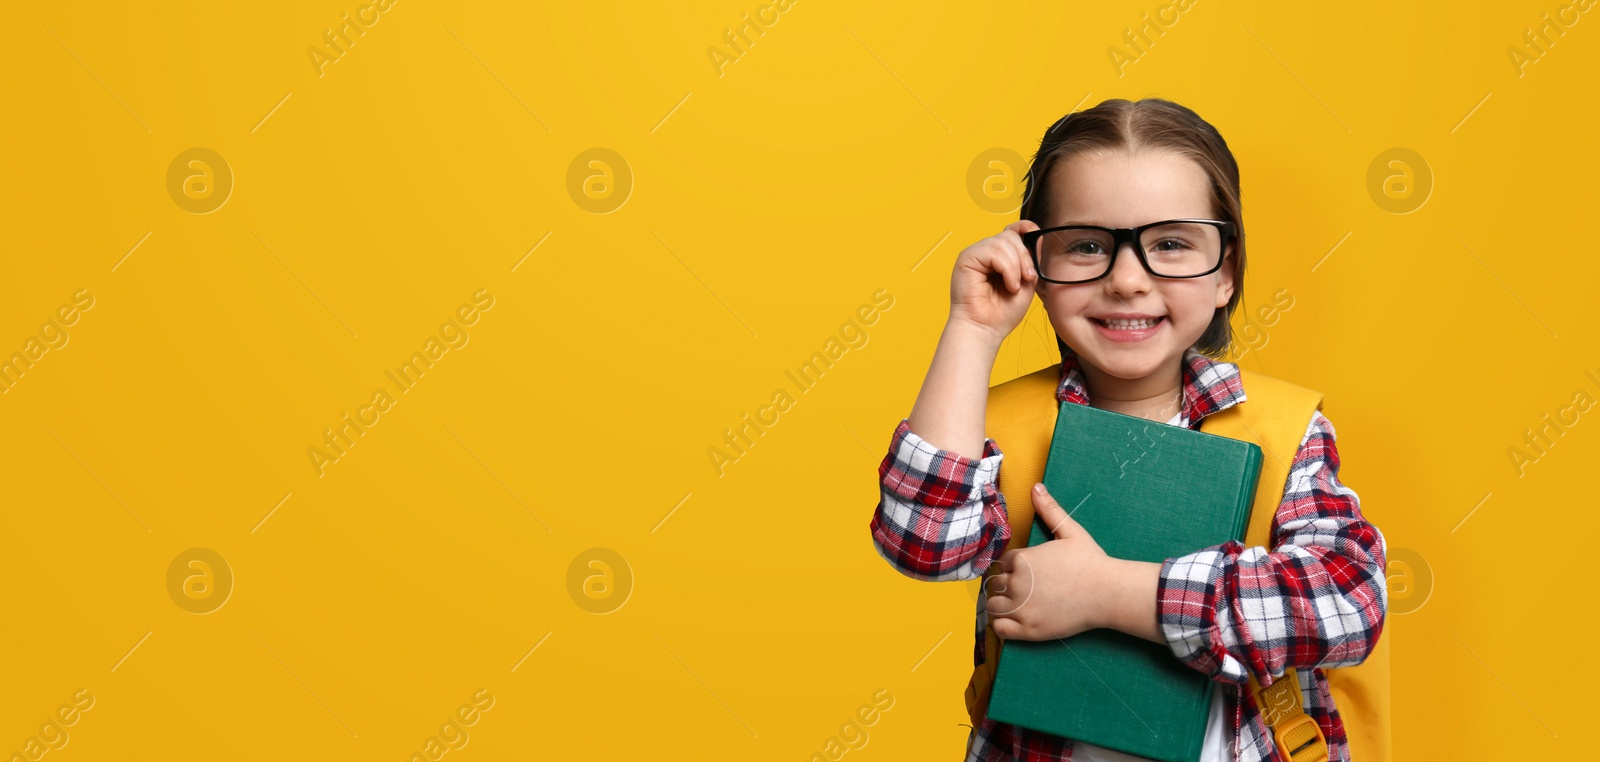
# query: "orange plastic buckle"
[1295,733]
[1299,739]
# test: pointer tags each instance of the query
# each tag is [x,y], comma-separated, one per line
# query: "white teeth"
[1131,325]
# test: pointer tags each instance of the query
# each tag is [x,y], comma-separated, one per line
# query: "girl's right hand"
[994,281]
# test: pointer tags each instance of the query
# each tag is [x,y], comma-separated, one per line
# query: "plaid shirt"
[1316,599]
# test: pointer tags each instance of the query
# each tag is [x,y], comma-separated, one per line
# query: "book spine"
[1252,483]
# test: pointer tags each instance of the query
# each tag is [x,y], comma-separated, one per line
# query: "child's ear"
[1225,283]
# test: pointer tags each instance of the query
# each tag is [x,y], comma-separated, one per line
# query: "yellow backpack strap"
[1274,416]
[1021,419]
[1360,691]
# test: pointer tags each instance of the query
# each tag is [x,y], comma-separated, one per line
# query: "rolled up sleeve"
[940,515]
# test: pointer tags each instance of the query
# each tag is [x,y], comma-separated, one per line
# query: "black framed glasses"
[1182,248]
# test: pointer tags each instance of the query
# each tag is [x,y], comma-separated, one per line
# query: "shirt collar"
[1208,385]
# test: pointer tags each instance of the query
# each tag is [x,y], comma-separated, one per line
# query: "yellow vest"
[1021,419]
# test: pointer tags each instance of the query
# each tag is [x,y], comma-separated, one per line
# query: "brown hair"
[1156,124]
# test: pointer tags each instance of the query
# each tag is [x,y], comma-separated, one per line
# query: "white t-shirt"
[1213,749]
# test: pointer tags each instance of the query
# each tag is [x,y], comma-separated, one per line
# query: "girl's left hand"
[1055,589]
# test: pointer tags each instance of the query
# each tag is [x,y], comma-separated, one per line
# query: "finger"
[1001,599]
[1003,260]
[1016,588]
[999,585]
[1055,518]
[999,605]
[1007,628]
[1014,242]
[1003,605]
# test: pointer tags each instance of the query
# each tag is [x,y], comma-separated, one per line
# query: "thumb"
[1055,518]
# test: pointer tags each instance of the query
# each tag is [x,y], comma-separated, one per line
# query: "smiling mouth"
[1130,325]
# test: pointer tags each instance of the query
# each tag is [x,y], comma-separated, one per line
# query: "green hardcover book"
[1146,491]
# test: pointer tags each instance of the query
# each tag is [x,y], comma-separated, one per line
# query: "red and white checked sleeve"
[940,514]
[1317,599]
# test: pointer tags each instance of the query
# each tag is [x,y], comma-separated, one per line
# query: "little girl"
[1140,300]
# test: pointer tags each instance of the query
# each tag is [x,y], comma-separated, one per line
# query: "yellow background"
[828,162]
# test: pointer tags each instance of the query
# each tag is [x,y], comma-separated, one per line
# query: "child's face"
[1124,190]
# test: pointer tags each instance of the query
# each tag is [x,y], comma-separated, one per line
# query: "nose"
[1128,276]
